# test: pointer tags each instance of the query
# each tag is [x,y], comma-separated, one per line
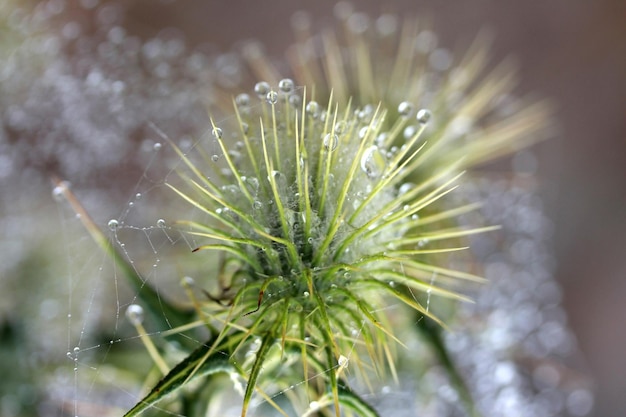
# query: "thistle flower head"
[313,208]
[326,197]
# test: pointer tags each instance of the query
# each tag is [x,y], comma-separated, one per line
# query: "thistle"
[327,200]
[311,207]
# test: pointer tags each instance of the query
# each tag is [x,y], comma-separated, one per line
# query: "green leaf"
[432,333]
[195,365]
[261,356]
[350,400]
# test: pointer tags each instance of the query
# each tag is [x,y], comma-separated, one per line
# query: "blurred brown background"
[573,52]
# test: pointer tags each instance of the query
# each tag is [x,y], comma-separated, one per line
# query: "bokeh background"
[573,52]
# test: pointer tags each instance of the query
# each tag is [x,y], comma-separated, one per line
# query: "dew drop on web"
[113,225]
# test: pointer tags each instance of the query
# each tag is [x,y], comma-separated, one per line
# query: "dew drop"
[409,132]
[405,188]
[134,314]
[342,361]
[272,97]
[257,205]
[314,405]
[242,100]
[217,133]
[161,223]
[363,132]
[57,192]
[261,89]
[365,115]
[306,294]
[295,100]
[372,162]
[340,127]
[113,225]
[76,349]
[312,108]
[215,157]
[157,146]
[245,128]
[187,281]
[423,116]
[330,141]
[286,85]
[405,109]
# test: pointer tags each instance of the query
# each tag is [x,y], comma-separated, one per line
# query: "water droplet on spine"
[57,192]
[242,100]
[261,89]
[330,141]
[217,133]
[312,108]
[342,361]
[286,85]
[161,223]
[409,132]
[134,314]
[188,282]
[372,162]
[215,157]
[113,225]
[272,97]
[423,116]
[257,205]
[405,109]
[157,146]
[295,100]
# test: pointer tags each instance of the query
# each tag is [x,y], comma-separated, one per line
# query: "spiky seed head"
[312,204]
[327,204]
